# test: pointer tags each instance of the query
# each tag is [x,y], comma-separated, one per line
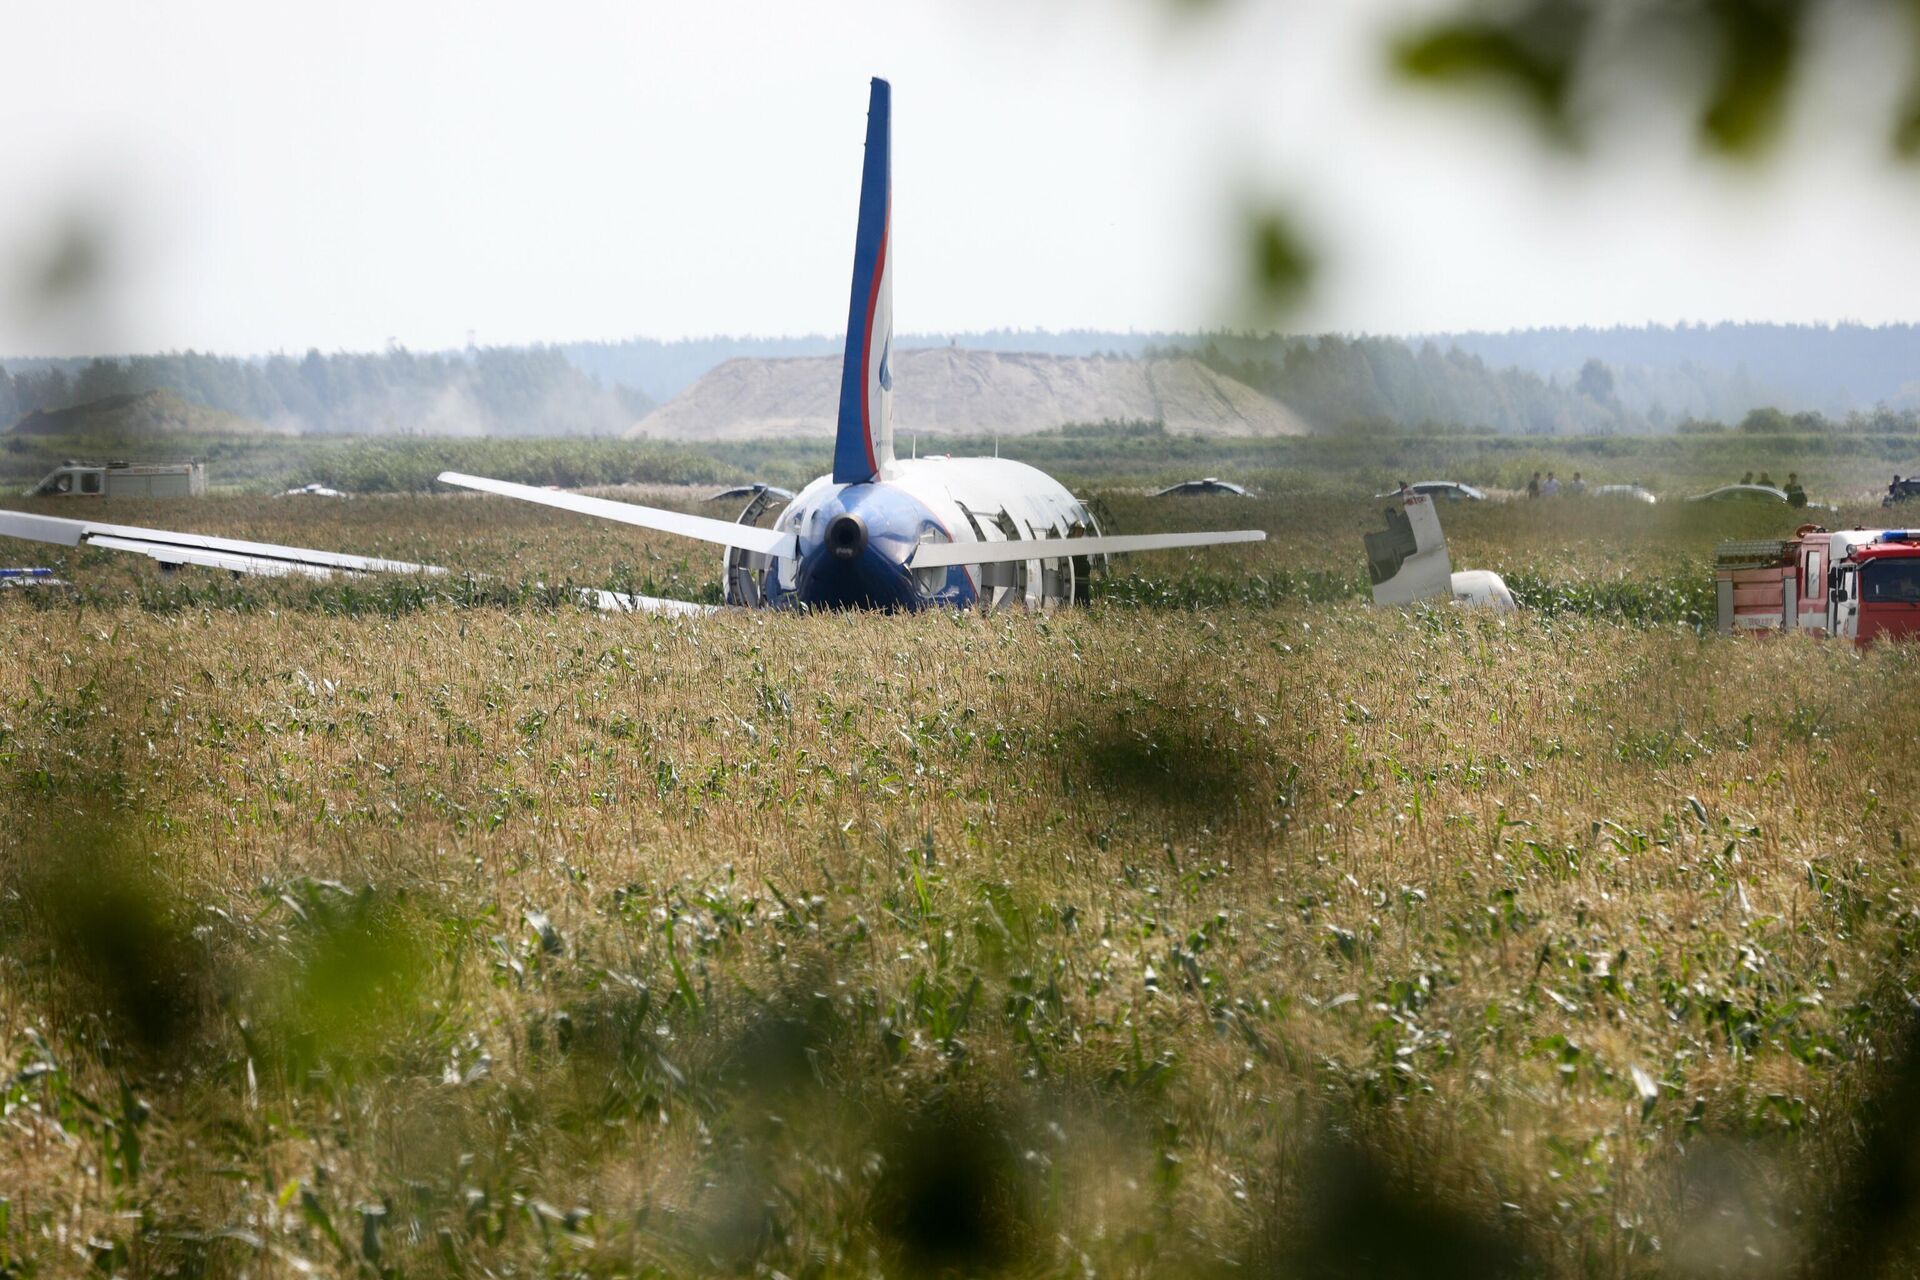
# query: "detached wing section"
[269,559]
[933,555]
[621,602]
[171,549]
[725,532]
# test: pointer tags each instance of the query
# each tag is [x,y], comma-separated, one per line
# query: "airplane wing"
[621,602]
[933,555]
[236,555]
[268,559]
[725,532]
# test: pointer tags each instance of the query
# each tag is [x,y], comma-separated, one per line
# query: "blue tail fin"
[864,444]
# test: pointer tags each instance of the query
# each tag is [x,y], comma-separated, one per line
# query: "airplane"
[877,532]
[1407,562]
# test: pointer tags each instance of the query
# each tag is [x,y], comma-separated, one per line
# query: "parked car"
[1902,491]
[751,490]
[1211,484]
[1742,493]
[1446,490]
[1756,493]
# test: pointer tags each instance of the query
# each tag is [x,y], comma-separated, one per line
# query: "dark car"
[1742,493]
[750,490]
[1756,493]
[1192,488]
[1901,491]
[1447,490]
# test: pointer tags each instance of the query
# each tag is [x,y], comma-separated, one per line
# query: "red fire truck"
[1860,584]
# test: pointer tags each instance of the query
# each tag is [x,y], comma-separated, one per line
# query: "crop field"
[1226,927]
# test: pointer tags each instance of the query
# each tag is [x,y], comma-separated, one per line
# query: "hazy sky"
[268,177]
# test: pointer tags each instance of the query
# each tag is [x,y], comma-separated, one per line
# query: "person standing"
[1551,488]
[1796,496]
[1576,485]
[1533,485]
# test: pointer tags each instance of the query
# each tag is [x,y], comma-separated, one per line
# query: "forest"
[523,391]
[1584,382]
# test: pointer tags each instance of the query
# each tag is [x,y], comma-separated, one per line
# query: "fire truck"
[1857,584]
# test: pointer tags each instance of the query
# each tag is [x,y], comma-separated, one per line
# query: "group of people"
[1551,488]
[1796,496]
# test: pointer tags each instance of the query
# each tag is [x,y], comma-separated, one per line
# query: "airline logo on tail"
[863,445]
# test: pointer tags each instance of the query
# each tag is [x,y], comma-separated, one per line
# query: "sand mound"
[141,415]
[954,392]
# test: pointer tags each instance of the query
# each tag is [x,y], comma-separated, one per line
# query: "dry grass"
[504,940]
[563,942]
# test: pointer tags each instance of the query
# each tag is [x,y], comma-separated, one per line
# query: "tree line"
[1385,384]
[1770,421]
[488,391]
[1361,385]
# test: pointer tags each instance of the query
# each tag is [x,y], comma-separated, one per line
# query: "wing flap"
[172,557]
[725,532]
[933,555]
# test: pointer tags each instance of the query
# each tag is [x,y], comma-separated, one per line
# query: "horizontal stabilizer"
[236,555]
[933,555]
[725,532]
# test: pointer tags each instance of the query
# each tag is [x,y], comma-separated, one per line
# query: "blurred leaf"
[1531,55]
[69,264]
[1281,262]
[1906,132]
[107,924]
[1906,127]
[1743,66]
[1758,43]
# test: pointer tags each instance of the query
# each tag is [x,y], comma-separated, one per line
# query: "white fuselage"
[925,500]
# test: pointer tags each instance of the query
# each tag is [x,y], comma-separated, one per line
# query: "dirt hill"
[954,392]
[140,416]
